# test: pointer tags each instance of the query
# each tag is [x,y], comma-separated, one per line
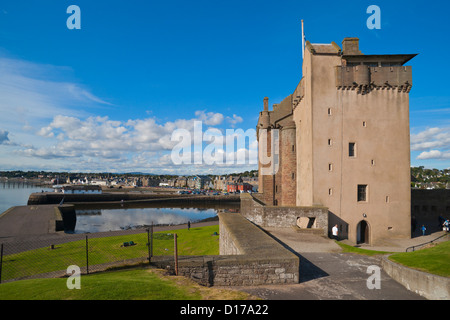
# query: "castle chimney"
[350,46]
[266,104]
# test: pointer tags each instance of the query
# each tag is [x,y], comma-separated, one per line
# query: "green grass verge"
[196,241]
[435,260]
[350,249]
[132,284]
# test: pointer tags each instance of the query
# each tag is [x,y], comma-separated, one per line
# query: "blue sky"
[108,96]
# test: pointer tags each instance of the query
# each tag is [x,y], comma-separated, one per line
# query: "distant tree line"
[423,175]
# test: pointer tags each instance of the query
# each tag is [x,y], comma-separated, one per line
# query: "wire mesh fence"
[51,257]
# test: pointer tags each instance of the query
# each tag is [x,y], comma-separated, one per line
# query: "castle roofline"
[323,48]
[375,58]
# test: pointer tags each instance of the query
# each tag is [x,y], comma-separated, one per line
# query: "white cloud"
[434,143]
[137,144]
[434,154]
[209,118]
[431,138]
[234,120]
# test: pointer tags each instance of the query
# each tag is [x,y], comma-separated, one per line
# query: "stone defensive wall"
[248,256]
[428,205]
[258,212]
[56,198]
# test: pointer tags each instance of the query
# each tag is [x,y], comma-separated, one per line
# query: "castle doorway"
[362,232]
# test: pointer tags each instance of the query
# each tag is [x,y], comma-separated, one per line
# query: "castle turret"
[264,118]
[288,156]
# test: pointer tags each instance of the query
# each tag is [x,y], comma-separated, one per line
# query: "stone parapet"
[254,209]
[430,286]
[248,256]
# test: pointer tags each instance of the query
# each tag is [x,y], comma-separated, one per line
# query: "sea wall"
[248,256]
[56,198]
[66,217]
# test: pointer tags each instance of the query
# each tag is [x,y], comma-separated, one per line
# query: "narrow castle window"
[330,142]
[362,192]
[352,149]
[329,111]
[330,167]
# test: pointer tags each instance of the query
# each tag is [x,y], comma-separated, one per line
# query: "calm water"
[16,194]
[91,220]
[99,220]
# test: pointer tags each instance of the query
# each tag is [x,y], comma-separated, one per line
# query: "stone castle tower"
[344,141]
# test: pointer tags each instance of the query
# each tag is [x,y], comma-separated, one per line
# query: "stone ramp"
[28,220]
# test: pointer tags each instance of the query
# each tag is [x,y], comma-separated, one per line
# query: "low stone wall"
[430,286]
[283,217]
[248,256]
[66,218]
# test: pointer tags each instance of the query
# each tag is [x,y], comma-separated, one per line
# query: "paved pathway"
[328,274]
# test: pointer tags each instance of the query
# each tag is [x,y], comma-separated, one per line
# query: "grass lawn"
[350,249]
[435,260]
[131,284]
[196,241]
[141,283]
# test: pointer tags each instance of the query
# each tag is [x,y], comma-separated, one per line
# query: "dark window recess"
[351,149]
[362,192]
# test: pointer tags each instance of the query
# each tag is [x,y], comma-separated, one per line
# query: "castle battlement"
[364,78]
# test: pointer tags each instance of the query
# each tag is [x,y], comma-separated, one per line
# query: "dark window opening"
[351,149]
[362,192]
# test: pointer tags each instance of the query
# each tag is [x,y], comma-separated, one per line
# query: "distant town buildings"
[81,189]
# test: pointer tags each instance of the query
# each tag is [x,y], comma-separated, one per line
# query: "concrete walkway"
[302,243]
[27,220]
[328,274]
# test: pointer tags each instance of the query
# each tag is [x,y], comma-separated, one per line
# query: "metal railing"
[425,243]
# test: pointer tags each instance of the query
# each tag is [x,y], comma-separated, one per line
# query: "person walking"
[446,225]
[423,229]
[189,225]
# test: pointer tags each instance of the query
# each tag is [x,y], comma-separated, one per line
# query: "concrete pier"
[30,220]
